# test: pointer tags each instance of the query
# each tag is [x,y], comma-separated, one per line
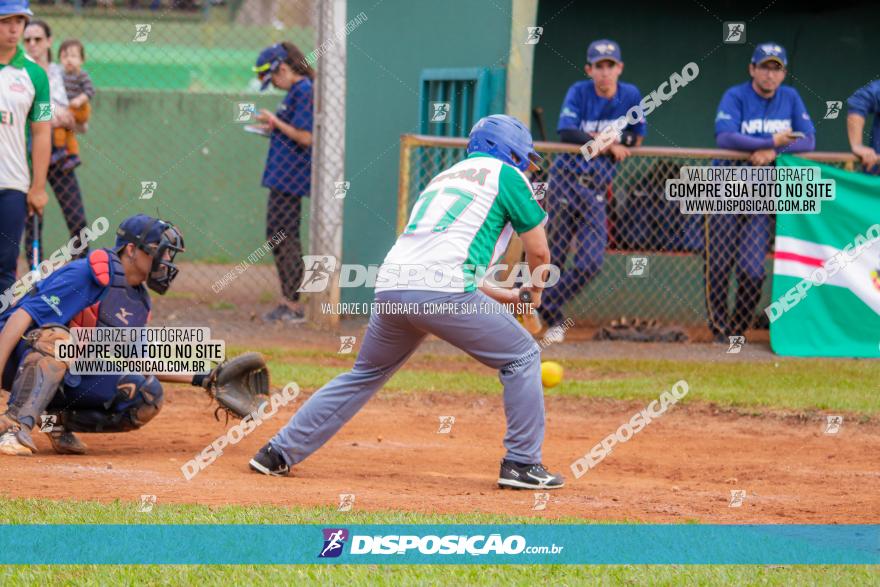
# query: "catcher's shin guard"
[39,376]
[138,400]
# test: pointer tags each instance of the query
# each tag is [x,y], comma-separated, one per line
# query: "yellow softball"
[551,373]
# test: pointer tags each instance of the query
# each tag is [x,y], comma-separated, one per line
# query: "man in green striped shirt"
[25,112]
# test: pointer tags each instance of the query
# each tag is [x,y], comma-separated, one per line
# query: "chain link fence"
[177,129]
[623,249]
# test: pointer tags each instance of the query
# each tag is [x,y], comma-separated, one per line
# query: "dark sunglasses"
[34,39]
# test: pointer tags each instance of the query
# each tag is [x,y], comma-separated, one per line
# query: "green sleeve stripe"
[528,227]
[515,195]
[41,109]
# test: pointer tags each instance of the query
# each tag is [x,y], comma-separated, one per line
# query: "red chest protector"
[121,305]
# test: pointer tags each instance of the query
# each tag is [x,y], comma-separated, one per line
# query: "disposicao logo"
[334,541]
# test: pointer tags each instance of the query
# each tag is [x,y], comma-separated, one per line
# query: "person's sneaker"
[7,423]
[11,445]
[534,476]
[555,334]
[283,313]
[65,442]
[269,462]
[71,163]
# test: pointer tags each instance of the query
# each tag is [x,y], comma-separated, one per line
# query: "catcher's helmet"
[505,138]
[157,238]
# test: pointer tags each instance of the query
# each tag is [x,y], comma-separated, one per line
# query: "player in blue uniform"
[577,190]
[766,118]
[104,290]
[864,102]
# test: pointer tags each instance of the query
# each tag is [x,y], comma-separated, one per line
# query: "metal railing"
[603,215]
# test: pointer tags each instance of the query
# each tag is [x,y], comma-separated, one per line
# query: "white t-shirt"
[24,97]
[57,90]
[460,226]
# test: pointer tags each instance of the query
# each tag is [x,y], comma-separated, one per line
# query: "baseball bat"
[530,319]
[36,249]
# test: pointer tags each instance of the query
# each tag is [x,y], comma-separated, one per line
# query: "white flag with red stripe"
[826,272]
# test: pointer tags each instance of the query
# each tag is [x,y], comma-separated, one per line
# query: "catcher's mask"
[159,239]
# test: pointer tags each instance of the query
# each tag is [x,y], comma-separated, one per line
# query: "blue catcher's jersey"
[121,305]
[585,110]
[80,288]
[86,293]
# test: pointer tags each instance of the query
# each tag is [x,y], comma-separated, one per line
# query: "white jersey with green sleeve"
[461,225]
[24,97]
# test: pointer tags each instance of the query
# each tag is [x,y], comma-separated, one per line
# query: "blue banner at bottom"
[440,544]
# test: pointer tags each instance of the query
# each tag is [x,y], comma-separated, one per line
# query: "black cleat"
[535,476]
[283,313]
[65,442]
[270,462]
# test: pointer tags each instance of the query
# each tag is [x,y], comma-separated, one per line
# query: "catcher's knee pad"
[39,375]
[138,400]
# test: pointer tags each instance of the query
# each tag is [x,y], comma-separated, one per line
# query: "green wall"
[207,168]
[832,49]
[386,55]
[164,111]
[829,57]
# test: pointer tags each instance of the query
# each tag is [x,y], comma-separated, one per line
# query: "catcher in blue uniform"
[105,290]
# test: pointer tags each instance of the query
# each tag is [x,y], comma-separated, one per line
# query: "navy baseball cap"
[159,239]
[140,228]
[14,8]
[604,49]
[770,52]
[267,63]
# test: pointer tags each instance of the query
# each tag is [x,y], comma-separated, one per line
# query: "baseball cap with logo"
[770,52]
[603,49]
[268,62]
[15,8]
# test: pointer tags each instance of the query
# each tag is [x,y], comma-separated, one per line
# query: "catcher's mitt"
[240,385]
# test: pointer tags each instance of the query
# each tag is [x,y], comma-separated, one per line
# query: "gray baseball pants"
[480,327]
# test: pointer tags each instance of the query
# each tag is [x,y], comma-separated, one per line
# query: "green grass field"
[45,511]
[752,388]
[800,385]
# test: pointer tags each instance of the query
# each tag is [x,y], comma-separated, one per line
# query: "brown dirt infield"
[681,467]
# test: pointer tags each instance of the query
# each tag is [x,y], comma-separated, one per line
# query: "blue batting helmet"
[505,138]
[15,8]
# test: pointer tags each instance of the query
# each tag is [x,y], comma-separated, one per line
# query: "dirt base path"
[682,466]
